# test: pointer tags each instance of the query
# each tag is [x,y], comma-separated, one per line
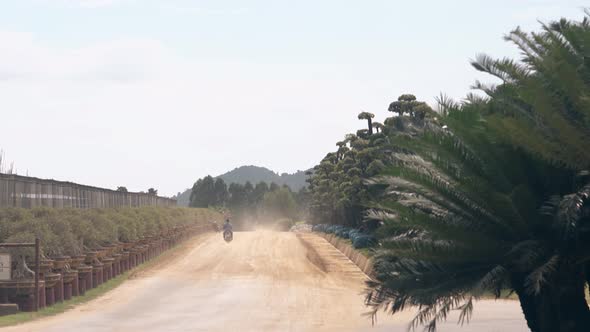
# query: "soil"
[261,281]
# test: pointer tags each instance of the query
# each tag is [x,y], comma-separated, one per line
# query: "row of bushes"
[358,238]
[69,232]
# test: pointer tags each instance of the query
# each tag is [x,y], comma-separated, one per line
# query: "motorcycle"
[228,235]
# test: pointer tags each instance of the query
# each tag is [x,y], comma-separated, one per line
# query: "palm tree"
[462,218]
[497,195]
[546,98]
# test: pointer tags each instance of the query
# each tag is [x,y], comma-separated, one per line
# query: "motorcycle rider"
[227,226]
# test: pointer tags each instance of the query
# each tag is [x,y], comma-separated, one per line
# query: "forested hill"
[254,174]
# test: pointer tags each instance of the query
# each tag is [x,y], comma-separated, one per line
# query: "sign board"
[5,266]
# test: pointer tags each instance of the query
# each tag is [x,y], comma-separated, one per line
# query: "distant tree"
[274,186]
[363,133]
[336,190]
[153,191]
[122,189]
[220,192]
[349,138]
[341,152]
[378,126]
[302,199]
[369,117]
[404,104]
[203,193]
[342,148]
[249,192]
[407,104]
[309,176]
[280,204]
[237,196]
[259,191]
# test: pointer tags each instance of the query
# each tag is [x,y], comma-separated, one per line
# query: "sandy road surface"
[262,281]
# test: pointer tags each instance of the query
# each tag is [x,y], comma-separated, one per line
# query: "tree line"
[260,203]
[481,196]
[338,191]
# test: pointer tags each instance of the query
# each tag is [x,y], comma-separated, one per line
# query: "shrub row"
[70,232]
[358,238]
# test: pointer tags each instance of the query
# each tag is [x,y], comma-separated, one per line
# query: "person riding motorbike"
[228,233]
[227,226]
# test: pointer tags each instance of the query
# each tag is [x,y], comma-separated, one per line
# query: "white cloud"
[22,57]
[193,9]
[93,3]
[86,3]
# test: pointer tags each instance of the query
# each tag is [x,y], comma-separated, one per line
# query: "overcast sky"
[159,93]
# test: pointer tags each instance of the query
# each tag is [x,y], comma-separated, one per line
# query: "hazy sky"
[159,93]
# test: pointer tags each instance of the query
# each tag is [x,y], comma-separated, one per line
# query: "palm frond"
[493,281]
[571,209]
[535,281]
[466,311]
[506,69]
[445,103]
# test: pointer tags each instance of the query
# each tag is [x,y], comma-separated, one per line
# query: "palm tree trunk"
[574,315]
[370,125]
[561,308]
[527,304]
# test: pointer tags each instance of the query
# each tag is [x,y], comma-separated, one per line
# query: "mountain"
[254,174]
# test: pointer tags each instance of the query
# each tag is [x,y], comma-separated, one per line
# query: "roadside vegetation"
[480,196]
[70,232]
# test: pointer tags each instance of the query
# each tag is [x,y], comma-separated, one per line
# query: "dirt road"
[262,281]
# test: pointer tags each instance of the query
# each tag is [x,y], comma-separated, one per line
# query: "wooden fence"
[28,192]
